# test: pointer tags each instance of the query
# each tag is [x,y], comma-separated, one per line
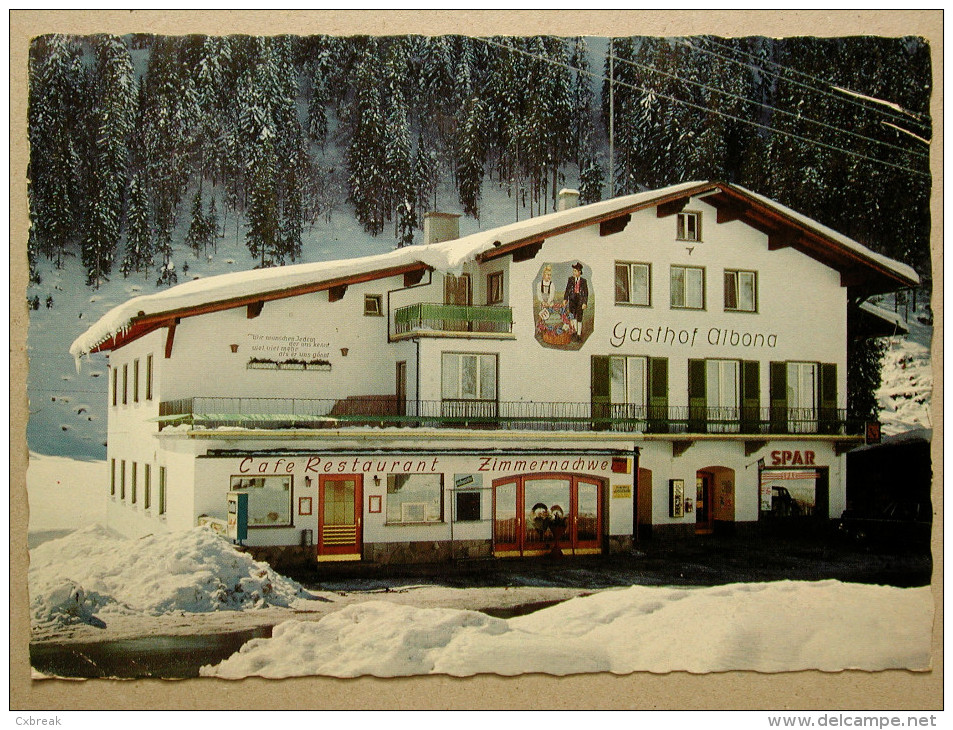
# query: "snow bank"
[65,493]
[767,627]
[906,388]
[92,573]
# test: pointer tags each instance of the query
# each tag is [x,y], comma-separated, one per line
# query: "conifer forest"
[137,140]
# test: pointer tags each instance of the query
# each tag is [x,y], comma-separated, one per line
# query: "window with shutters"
[802,398]
[627,389]
[688,287]
[629,393]
[741,291]
[723,396]
[721,390]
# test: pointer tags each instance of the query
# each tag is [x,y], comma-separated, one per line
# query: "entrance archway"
[714,498]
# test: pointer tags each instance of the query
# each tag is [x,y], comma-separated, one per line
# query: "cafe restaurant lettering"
[647,368]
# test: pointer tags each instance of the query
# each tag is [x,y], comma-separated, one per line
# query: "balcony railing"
[453,318]
[388,410]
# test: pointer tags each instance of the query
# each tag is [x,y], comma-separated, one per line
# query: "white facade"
[711,360]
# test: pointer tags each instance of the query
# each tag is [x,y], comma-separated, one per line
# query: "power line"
[760,69]
[652,69]
[708,110]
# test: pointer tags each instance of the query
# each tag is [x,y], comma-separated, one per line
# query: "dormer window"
[689,226]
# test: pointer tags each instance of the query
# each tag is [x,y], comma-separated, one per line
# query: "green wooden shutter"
[779,397]
[827,407]
[750,396]
[697,397]
[599,390]
[658,394]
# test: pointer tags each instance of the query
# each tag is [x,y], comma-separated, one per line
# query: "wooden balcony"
[452,320]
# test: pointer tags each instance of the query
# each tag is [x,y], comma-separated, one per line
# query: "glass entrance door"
[546,513]
[339,517]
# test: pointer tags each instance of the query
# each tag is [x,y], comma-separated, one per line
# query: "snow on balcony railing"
[389,410]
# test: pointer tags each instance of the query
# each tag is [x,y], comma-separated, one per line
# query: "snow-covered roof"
[447,256]
[887,316]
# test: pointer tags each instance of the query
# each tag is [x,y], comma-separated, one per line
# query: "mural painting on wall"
[564,304]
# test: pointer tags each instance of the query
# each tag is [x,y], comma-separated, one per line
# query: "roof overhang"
[865,274]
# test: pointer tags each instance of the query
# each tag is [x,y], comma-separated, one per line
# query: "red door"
[531,513]
[340,504]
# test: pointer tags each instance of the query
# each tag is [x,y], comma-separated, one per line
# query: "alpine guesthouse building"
[657,366]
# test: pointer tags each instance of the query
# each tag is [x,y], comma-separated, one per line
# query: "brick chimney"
[567,199]
[441,227]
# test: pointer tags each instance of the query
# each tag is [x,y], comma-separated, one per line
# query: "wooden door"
[340,501]
[704,493]
[401,388]
[507,524]
[587,516]
[457,292]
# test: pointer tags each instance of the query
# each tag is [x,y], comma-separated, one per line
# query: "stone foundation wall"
[620,544]
[388,553]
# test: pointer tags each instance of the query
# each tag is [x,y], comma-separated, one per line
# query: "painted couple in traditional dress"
[561,319]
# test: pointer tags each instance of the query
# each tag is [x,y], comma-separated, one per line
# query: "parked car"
[900,524]
[783,504]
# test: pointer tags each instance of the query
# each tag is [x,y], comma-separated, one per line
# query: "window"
[627,391]
[148,377]
[468,376]
[125,384]
[802,396]
[161,490]
[115,386]
[721,389]
[633,284]
[269,499]
[122,480]
[627,380]
[135,381]
[689,227]
[373,305]
[741,291]
[494,288]
[112,477]
[147,486]
[132,482]
[468,507]
[688,287]
[414,498]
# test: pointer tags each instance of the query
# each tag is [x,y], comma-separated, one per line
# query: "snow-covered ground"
[91,585]
[91,574]
[906,391]
[766,627]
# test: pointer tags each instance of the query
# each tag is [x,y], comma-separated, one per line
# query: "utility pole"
[611,122]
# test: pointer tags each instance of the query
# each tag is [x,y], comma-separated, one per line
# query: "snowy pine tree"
[139,251]
[113,93]
[55,120]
